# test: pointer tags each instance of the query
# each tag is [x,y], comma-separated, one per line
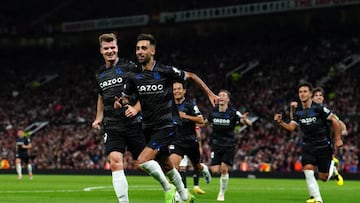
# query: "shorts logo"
[105,137]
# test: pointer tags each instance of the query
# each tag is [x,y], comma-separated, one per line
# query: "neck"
[179,101]
[149,66]
[223,107]
[110,64]
[306,104]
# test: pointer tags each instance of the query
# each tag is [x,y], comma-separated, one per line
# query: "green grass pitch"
[143,189]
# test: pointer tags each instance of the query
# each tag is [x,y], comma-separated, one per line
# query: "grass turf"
[143,189]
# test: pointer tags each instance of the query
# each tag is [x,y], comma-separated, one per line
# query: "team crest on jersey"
[156,75]
[119,71]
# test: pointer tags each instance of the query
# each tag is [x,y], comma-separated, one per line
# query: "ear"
[152,50]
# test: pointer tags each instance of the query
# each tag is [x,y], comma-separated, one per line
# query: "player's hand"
[278,117]
[96,125]
[293,104]
[214,99]
[182,114]
[117,102]
[130,111]
[244,115]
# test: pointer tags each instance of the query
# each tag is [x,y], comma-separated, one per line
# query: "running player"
[317,144]
[318,97]
[23,144]
[153,86]
[224,119]
[122,127]
[185,163]
[186,141]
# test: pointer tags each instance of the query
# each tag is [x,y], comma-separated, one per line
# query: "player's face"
[20,133]
[109,50]
[144,51]
[304,93]
[318,98]
[178,91]
[223,98]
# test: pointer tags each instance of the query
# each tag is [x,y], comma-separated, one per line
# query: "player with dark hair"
[317,150]
[23,144]
[186,141]
[318,97]
[122,127]
[153,86]
[224,119]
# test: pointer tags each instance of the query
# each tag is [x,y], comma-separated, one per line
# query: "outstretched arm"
[212,97]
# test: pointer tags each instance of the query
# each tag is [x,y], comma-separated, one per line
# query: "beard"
[143,60]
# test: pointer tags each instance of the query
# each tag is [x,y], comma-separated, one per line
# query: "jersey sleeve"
[196,110]
[325,112]
[177,74]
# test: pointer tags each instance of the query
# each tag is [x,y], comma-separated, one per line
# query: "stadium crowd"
[69,100]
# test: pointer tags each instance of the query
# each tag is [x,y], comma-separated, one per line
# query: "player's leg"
[327,168]
[312,184]
[149,165]
[194,155]
[182,169]
[29,168]
[115,148]
[174,176]
[226,158]
[309,162]
[224,180]
[119,181]
[18,167]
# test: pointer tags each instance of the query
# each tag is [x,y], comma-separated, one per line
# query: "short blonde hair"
[107,37]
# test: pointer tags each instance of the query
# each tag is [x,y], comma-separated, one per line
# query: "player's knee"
[323,177]
[114,166]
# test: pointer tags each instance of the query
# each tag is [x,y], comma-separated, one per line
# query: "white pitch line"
[88,189]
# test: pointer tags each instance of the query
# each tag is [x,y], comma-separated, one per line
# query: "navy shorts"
[225,155]
[24,157]
[190,150]
[128,138]
[159,139]
[319,156]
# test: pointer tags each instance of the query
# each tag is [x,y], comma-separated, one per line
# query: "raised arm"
[287,126]
[212,97]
